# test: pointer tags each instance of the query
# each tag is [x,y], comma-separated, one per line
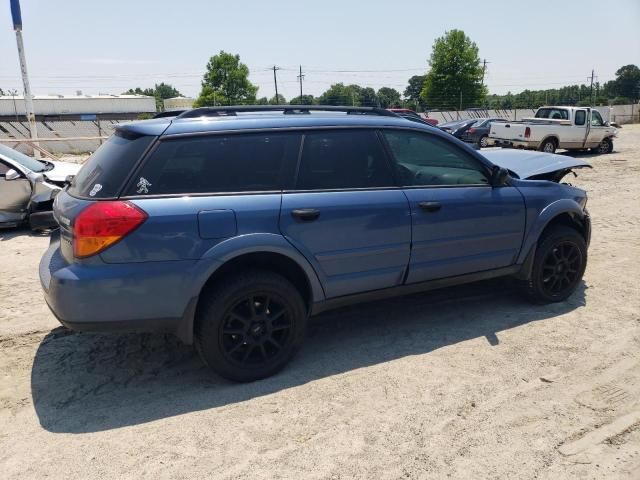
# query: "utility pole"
[13,94]
[591,88]
[275,82]
[300,77]
[16,16]
[484,69]
[460,109]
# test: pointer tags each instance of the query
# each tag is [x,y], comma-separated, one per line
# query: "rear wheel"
[548,146]
[249,327]
[560,261]
[605,146]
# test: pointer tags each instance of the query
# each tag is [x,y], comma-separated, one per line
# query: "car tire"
[558,266]
[482,143]
[604,147]
[548,146]
[249,326]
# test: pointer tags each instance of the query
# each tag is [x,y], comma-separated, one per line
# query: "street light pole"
[16,15]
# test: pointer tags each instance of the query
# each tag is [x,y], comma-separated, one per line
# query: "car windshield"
[480,123]
[24,160]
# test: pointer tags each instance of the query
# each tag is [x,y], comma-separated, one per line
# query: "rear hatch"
[101,178]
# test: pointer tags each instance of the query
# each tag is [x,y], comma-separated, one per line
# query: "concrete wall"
[84,104]
[616,113]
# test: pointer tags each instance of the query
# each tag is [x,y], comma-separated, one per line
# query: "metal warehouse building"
[105,107]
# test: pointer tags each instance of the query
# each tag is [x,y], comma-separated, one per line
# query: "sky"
[111,46]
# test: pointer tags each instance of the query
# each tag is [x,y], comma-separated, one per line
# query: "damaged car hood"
[61,170]
[531,164]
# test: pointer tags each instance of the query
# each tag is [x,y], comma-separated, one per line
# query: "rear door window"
[103,174]
[581,116]
[343,160]
[218,164]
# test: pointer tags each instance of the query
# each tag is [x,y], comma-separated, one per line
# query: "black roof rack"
[285,109]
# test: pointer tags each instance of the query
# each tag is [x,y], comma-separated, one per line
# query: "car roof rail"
[285,109]
[172,113]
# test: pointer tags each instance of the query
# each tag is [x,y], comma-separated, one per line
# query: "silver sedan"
[28,187]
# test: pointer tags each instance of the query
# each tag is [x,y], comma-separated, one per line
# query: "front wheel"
[483,143]
[605,146]
[559,263]
[250,326]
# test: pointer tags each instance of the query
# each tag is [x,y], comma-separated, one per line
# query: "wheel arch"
[270,252]
[551,136]
[563,212]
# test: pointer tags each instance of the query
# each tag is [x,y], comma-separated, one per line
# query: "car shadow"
[12,232]
[93,382]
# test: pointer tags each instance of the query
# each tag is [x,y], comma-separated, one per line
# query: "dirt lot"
[461,383]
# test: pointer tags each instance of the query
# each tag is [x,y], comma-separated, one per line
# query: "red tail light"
[102,224]
[527,132]
[471,130]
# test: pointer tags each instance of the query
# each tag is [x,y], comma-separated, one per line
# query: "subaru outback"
[230,227]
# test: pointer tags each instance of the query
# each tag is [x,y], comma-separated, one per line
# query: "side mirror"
[11,175]
[499,176]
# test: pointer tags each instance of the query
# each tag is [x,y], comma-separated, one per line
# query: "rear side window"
[343,159]
[217,164]
[581,116]
[105,171]
[553,113]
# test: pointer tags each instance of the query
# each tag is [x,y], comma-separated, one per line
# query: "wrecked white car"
[28,187]
[528,165]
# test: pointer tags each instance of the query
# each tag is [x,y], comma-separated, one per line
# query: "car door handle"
[306,214]
[430,206]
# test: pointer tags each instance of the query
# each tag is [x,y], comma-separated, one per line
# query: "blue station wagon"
[230,226]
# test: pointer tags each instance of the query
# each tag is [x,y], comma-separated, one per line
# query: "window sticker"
[96,188]
[143,185]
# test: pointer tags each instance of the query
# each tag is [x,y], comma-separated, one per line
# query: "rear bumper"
[502,142]
[139,297]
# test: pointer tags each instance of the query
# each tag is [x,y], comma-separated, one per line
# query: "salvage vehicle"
[230,226]
[410,114]
[571,128]
[457,128]
[478,132]
[28,187]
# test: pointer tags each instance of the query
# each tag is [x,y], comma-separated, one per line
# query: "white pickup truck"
[572,128]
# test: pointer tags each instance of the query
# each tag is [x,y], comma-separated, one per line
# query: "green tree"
[455,78]
[262,101]
[160,92]
[336,94]
[1,92]
[412,92]
[304,100]
[368,97]
[280,100]
[389,97]
[627,82]
[226,82]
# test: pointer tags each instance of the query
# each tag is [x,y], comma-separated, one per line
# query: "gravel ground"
[470,382]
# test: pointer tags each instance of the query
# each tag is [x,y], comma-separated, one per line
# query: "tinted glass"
[422,159]
[553,113]
[344,159]
[217,164]
[596,119]
[581,116]
[105,171]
